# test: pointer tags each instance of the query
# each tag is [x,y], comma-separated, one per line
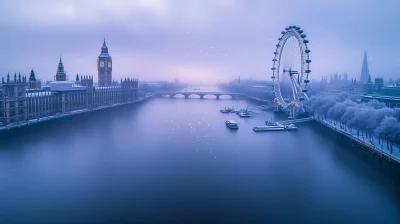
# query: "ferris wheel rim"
[299,90]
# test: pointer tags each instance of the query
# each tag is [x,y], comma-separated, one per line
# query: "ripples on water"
[173,160]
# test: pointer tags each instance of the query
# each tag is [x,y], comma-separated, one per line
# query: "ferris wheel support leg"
[293,88]
[292,113]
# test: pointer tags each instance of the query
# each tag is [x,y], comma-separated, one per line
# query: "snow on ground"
[374,142]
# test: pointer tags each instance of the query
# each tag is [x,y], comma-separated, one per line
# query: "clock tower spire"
[104,66]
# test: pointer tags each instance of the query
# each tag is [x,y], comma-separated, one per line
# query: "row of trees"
[368,119]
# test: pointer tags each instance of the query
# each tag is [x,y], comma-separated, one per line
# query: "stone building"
[19,103]
[32,84]
[60,75]
[104,66]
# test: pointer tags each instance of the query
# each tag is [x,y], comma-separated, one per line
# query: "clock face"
[102,64]
[109,64]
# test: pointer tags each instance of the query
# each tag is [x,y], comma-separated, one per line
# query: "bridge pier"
[171,96]
[217,96]
[201,96]
[186,96]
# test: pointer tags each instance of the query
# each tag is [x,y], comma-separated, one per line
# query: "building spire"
[104,43]
[32,76]
[364,70]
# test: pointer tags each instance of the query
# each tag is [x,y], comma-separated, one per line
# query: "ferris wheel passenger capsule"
[283,32]
[308,61]
[274,59]
[301,31]
[308,71]
[303,36]
[307,51]
[273,68]
[305,41]
[297,28]
[306,81]
[301,98]
[275,53]
[304,90]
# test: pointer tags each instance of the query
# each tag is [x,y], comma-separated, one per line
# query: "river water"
[175,161]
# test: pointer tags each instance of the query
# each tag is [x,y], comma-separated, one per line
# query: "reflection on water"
[175,160]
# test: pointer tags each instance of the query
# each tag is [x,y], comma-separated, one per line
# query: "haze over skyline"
[195,40]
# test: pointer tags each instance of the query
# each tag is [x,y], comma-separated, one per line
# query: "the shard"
[364,70]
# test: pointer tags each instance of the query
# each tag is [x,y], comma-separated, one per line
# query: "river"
[174,160]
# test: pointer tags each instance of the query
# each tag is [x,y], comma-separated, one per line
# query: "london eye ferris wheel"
[291,69]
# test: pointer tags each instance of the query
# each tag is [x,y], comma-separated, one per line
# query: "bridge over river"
[186,94]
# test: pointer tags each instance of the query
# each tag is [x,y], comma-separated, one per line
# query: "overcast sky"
[195,40]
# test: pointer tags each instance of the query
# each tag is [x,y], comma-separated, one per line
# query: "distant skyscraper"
[60,75]
[364,70]
[104,67]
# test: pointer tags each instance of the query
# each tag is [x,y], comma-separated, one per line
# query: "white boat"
[268,128]
[272,124]
[244,114]
[276,127]
[231,124]
[290,127]
[227,110]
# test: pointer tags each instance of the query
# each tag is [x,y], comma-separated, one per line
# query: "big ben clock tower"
[104,66]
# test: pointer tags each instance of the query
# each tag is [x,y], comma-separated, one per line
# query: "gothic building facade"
[21,101]
[104,66]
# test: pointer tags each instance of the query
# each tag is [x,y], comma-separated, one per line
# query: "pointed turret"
[32,76]
[364,70]
[77,77]
[61,75]
[104,48]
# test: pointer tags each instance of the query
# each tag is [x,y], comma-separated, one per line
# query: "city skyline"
[216,41]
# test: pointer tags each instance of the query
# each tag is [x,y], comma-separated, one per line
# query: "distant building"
[32,84]
[104,67]
[60,75]
[77,81]
[364,70]
[379,84]
[390,91]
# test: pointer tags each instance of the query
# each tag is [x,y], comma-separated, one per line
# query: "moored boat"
[231,124]
[244,114]
[275,127]
[268,128]
[227,110]
[290,127]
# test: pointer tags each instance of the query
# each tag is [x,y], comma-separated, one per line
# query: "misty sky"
[195,40]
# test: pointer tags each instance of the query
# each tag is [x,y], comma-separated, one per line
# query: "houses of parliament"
[23,99]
